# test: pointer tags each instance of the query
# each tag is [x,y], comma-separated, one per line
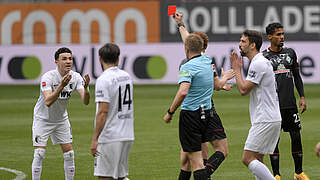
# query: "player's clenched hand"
[318,149]
[66,79]
[302,104]
[86,79]
[93,148]
[177,17]
[167,118]
[228,87]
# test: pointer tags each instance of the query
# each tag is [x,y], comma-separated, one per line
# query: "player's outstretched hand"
[167,118]
[302,104]
[235,63]
[318,149]
[86,79]
[66,79]
[177,17]
[228,74]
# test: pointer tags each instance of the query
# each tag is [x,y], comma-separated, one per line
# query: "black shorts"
[290,120]
[193,131]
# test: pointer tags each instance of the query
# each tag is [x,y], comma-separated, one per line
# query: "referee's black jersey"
[284,63]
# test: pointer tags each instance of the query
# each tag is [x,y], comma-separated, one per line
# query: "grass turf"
[155,153]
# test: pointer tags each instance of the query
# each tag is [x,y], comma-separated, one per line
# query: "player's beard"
[280,45]
[242,53]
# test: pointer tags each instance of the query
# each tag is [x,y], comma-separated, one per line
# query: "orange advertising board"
[89,22]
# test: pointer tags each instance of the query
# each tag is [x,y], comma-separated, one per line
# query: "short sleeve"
[256,72]
[46,82]
[214,70]
[185,73]
[79,81]
[102,91]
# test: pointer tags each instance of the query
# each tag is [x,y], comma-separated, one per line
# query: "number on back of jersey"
[125,97]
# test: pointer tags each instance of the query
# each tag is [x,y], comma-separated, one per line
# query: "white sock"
[69,167]
[260,170]
[38,156]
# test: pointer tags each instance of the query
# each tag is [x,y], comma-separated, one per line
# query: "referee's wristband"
[169,112]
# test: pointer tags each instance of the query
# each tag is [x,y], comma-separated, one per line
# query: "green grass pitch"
[155,153]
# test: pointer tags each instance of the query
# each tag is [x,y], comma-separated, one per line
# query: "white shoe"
[126,178]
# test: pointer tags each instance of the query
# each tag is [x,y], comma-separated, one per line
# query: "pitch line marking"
[20,174]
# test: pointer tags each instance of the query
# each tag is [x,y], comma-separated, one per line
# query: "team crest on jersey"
[184,73]
[288,59]
[37,139]
[44,84]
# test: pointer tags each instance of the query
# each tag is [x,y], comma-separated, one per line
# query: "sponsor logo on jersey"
[184,73]
[281,69]
[65,94]
[70,85]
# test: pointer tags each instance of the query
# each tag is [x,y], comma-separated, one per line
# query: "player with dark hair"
[286,68]
[114,133]
[50,116]
[264,106]
[219,141]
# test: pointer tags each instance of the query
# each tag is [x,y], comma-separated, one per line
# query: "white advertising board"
[155,63]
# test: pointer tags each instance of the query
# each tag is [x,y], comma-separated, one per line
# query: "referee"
[194,96]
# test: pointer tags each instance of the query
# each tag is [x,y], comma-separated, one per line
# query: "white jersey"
[264,103]
[114,86]
[58,110]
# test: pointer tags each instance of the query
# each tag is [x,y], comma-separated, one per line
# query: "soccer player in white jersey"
[264,105]
[50,116]
[113,134]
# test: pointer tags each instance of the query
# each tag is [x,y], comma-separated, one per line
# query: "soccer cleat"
[277,177]
[301,176]
[126,178]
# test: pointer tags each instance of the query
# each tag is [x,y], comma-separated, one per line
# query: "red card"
[171,10]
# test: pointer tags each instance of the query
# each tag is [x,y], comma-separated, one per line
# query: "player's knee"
[68,156]
[246,160]
[295,135]
[39,153]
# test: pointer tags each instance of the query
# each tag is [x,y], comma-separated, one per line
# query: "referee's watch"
[180,24]
[169,112]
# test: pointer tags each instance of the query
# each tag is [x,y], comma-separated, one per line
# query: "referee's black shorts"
[193,131]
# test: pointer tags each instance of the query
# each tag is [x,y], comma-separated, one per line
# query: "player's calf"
[69,168]
[38,156]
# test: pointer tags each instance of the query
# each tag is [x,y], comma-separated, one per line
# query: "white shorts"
[113,159]
[60,132]
[263,137]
